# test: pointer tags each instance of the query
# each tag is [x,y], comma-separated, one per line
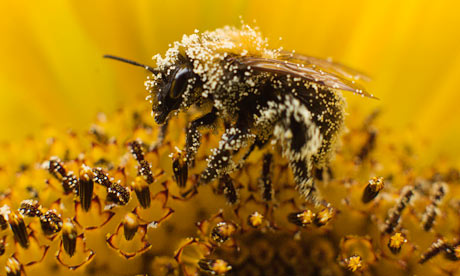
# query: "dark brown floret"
[431,211]
[50,222]
[369,145]
[452,252]
[118,194]
[68,180]
[146,171]
[144,168]
[101,178]
[70,183]
[394,215]
[30,208]
[56,168]
[136,150]
[229,189]
[435,248]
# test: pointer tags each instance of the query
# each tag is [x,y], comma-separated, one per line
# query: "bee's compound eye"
[179,83]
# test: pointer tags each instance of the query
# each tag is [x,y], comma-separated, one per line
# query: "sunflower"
[82,198]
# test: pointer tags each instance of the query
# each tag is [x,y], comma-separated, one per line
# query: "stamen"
[18,227]
[130,225]
[86,187]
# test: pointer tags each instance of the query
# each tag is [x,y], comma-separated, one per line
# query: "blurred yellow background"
[53,73]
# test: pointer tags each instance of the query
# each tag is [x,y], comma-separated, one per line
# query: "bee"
[259,94]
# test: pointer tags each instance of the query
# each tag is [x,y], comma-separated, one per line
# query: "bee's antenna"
[146,67]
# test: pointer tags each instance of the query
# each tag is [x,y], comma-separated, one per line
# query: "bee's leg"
[160,137]
[220,162]
[260,143]
[301,140]
[302,170]
[265,180]
[193,139]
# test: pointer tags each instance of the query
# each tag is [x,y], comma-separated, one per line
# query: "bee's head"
[170,89]
[170,85]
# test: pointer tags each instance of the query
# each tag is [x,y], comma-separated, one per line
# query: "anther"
[372,189]
[180,169]
[130,226]
[69,237]
[142,192]
[86,187]
[19,229]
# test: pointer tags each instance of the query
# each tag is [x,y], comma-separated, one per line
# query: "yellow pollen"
[397,240]
[307,216]
[220,267]
[354,263]
[376,183]
[325,215]
[457,251]
[256,219]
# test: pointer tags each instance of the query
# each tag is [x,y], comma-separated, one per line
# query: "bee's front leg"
[193,139]
[160,137]
[220,162]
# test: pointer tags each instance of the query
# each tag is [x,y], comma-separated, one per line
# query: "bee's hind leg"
[301,140]
[302,171]
[220,162]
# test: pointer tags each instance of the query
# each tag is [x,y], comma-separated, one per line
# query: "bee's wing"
[312,69]
[325,64]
